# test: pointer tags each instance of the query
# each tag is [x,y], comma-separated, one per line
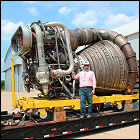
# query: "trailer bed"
[72,125]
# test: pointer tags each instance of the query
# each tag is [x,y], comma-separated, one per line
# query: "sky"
[73,14]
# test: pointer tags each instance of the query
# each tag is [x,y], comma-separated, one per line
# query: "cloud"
[33,11]
[2,60]
[8,28]
[85,19]
[64,10]
[30,2]
[118,19]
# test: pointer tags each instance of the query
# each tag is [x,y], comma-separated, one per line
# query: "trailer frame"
[53,129]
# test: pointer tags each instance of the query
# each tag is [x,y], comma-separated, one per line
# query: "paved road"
[124,131]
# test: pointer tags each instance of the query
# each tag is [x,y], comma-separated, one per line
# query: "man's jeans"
[85,93]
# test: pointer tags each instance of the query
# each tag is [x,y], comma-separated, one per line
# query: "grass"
[2,90]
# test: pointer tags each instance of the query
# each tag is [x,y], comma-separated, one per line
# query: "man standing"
[87,88]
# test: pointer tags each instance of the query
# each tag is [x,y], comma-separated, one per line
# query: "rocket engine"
[49,58]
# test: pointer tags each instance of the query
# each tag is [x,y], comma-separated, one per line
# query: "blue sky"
[74,14]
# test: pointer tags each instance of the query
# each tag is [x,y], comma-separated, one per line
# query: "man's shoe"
[88,116]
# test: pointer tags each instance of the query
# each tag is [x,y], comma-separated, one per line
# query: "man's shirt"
[86,78]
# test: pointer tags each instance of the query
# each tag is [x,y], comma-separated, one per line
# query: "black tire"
[117,108]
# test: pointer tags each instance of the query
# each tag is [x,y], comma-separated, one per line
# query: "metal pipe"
[40,44]
[43,71]
[73,85]
[60,72]
[42,26]
[66,89]
[57,53]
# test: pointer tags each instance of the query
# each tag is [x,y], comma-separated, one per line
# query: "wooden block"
[128,105]
[62,108]
[59,114]
[58,109]
[128,101]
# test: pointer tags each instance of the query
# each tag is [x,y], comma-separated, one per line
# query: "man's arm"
[75,76]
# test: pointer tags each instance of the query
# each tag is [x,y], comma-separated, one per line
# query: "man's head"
[86,65]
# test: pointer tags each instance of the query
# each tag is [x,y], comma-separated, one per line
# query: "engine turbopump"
[49,58]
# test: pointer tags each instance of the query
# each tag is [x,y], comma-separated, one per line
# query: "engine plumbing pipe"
[60,72]
[43,71]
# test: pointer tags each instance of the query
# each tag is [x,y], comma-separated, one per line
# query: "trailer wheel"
[44,116]
[119,108]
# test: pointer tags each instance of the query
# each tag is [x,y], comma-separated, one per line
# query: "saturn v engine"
[49,59]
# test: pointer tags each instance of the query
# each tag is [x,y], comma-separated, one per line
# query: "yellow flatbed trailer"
[46,129]
[42,104]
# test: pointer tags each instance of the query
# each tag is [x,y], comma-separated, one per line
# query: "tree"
[2,84]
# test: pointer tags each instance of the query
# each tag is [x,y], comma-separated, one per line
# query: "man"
[87,88]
